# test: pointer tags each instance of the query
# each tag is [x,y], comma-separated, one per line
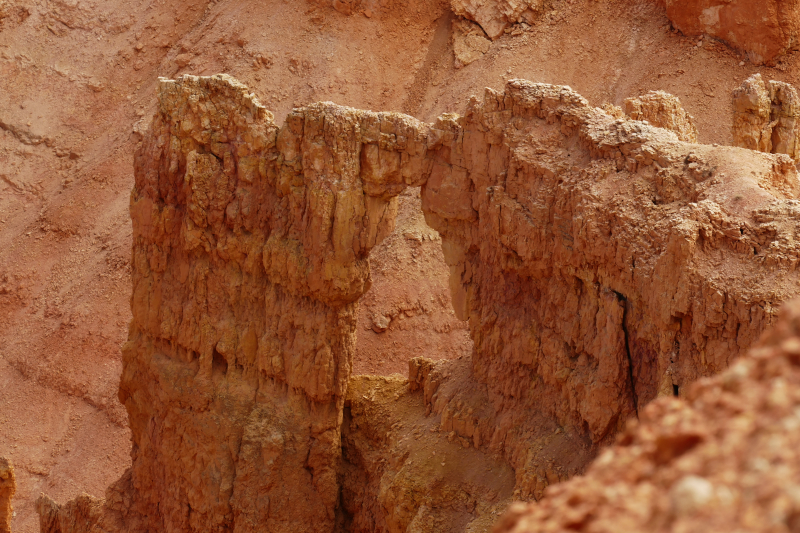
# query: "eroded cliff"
[726,459]
[766,117]
[763,30]
[600,263]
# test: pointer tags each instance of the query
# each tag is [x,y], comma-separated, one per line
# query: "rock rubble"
[725,459]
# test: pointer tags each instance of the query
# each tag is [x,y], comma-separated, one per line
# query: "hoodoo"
[600,262]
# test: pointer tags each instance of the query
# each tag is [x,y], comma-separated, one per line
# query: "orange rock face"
[7,489]
[766,117]
[663,110]
[251,249]
[724,460]
[600,262]
[762,29]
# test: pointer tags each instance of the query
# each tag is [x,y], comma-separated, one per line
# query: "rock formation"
[763,29]
[8,487]
[766,117]
[469,42]
[600,263]
[401,473]
[724,460]
[494,16]
[663,110]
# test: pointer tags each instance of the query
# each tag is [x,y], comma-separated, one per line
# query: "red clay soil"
[78,82]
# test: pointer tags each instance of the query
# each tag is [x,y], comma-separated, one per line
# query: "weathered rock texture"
[402,474]
[8,487]
[727,459]
[494,16]
[763,29]
[469,42]
[766,117]
[663,110]
[600,262]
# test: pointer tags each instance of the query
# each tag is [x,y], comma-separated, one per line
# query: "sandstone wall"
[724,460]
[763,29]
[250,248]
[766,117]
[599,261]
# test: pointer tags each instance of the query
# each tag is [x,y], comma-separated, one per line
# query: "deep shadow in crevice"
[219,366]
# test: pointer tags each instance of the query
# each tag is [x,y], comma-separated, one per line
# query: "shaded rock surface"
[762,29]
[766,117]
[725,459]
[600,263]
[402,473]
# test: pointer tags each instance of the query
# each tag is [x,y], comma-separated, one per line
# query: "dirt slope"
[78,78]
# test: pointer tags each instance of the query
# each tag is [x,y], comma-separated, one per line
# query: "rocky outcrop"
[762,29]
[663,110]
[8,487]
[726,459]
[250,251]
[469,42]
[766,117]
[600,263]
[494,16]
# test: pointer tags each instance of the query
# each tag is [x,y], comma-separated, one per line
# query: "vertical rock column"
[250,252]
[766,117]
[8,487]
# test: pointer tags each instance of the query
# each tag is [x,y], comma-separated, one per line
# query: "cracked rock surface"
[725,459]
